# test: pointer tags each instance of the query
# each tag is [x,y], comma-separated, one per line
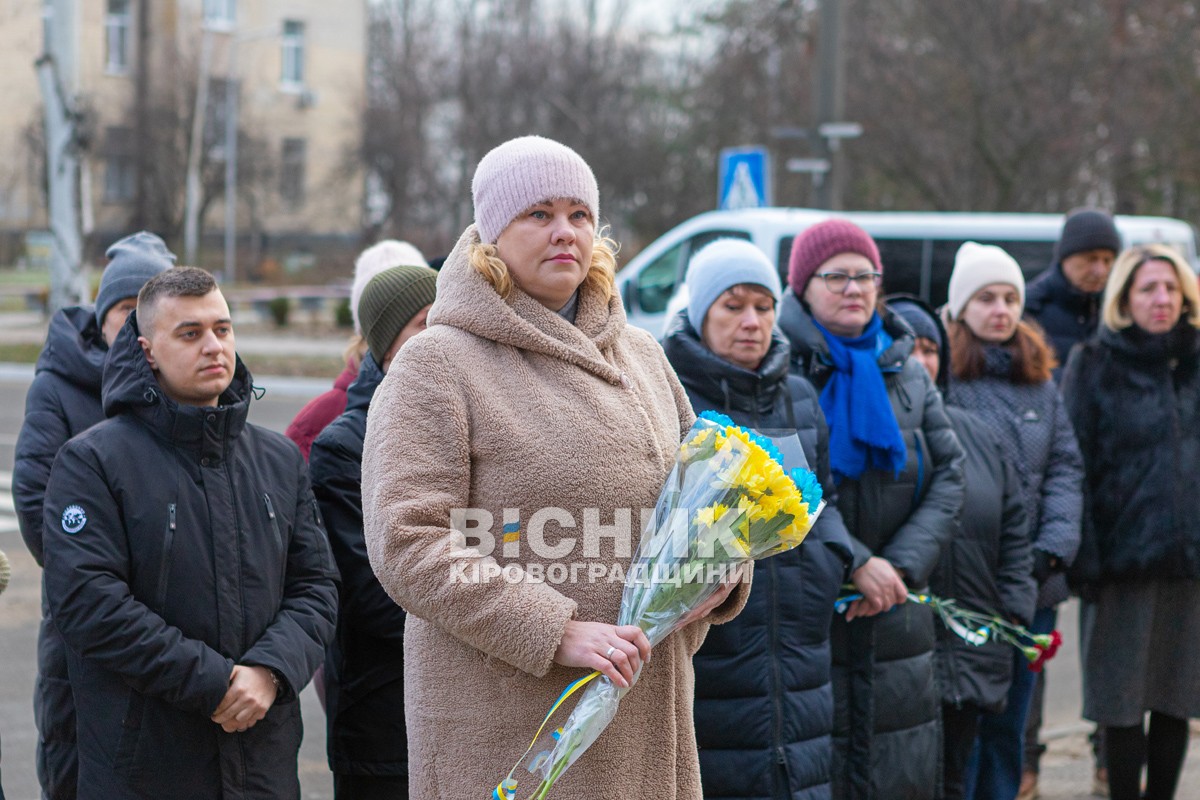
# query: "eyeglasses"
[839,282]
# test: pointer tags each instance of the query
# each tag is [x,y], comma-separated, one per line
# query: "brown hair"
[1033,360]
[175,282]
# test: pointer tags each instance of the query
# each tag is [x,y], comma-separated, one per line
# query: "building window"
[120,165]
[220,13]
[116,34]
[291,173]
[293,54]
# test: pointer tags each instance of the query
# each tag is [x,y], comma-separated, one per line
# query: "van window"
[657,280]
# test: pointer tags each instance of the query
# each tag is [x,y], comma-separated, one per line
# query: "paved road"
[1066,774]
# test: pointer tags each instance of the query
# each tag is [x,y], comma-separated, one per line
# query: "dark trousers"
[959,729]
[369,787]
[995,769]
[1161,751]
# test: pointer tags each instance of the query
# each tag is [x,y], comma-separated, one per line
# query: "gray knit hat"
[131,262]
[525,171]
[721,265]
[390,300]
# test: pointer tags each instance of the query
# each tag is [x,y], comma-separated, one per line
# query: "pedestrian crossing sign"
[744,178]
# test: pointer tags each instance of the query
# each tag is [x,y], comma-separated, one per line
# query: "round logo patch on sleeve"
[73,519]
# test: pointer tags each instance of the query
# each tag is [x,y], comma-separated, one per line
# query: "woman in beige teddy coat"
[527,400]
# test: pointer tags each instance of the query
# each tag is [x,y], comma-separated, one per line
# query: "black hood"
[75,349]
[807,340]
[358,396]
[130,386]
[943,379]
[708,375]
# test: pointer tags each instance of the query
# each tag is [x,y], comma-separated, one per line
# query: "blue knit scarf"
[863,432]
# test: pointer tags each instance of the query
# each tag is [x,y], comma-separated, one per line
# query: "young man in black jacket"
[186,567]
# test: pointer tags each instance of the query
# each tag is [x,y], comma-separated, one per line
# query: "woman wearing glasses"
[898,466]
[1001,372]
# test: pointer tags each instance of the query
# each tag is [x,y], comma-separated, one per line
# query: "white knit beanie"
[979,265]
[374,260]
[523,172]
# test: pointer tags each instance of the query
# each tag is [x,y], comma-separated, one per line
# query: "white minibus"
[917,248]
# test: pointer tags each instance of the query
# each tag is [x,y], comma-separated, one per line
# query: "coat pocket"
[279,540]
[125,759]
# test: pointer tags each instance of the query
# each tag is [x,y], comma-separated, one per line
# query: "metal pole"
[830,99]
[231,156]
[62,167]
[191,213]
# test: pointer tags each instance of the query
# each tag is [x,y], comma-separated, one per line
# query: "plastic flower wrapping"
[727,501]
[979,627]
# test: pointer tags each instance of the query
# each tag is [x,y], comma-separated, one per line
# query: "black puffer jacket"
[887,733]
[1135,402]
[986,567]
[179,541]
[364,667]
[1067,315]
[764,697]
[63,401]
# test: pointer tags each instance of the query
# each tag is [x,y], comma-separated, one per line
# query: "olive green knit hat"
[390,300]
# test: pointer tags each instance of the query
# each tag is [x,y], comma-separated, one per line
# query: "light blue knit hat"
[720,266]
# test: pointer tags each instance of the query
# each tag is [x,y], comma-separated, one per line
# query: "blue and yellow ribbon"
[507,788]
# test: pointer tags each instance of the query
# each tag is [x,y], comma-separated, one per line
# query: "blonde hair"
[356,348]
[601,275]
[1115,309]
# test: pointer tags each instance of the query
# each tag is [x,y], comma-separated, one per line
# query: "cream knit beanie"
[979,265]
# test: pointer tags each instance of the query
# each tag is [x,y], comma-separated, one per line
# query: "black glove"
[1044,565]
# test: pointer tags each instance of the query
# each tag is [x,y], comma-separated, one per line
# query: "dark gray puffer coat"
[63,401]
[887,726]
[1032,424]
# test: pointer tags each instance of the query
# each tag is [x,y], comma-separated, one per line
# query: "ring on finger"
[608,653]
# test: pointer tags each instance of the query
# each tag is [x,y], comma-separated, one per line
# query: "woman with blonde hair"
[1001,372]
[520,437]
[1133,392]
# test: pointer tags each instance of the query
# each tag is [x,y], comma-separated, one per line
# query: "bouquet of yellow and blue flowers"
[728,500]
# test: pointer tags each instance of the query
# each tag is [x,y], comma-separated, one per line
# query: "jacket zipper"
[164,566]
[278,534]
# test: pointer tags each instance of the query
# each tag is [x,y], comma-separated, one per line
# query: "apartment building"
[136,68]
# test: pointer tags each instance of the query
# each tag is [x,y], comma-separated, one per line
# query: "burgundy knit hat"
[819,243]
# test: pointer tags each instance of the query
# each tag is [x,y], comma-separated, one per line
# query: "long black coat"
[764,697]
[63,401]
[1134,399]
[887,727]
[986,567]
[364,667]
[181,541]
